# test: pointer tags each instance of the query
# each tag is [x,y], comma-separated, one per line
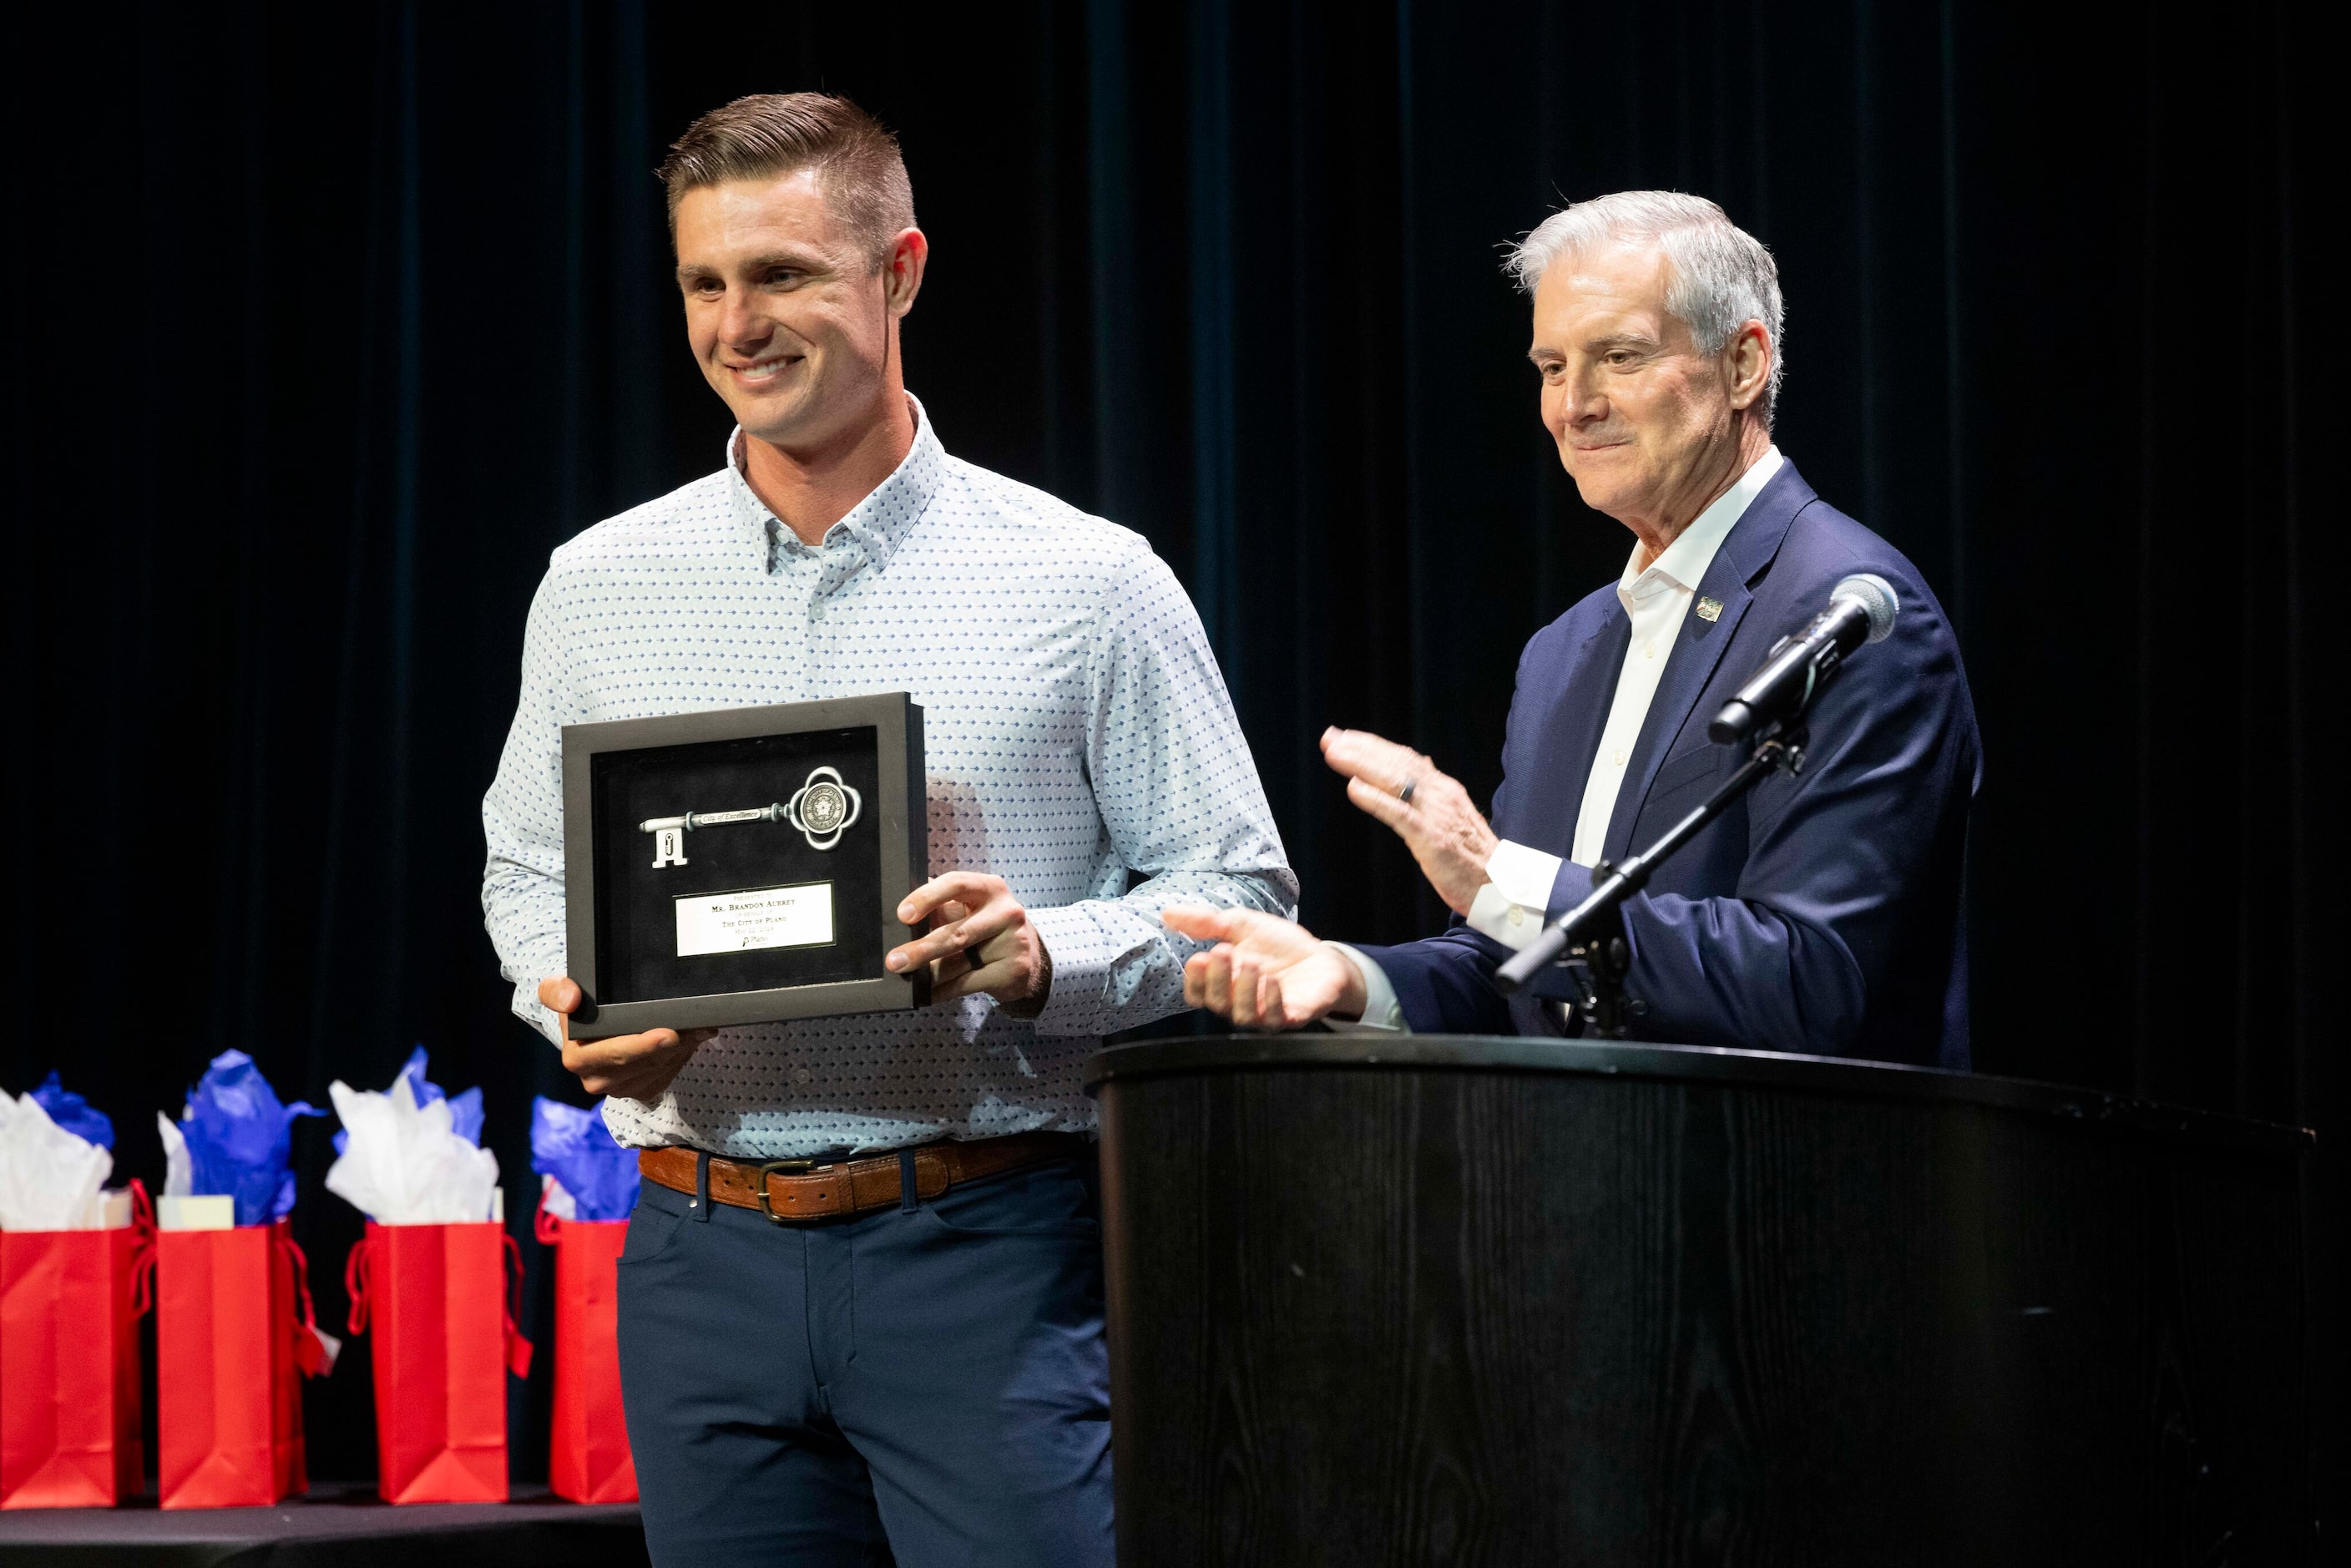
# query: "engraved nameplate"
[799,915]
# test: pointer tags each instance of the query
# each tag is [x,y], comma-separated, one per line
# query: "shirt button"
[1650,652]
[1517,915]
[1619,758]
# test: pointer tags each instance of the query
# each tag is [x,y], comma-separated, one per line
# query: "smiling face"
[1651,429]
[788,316]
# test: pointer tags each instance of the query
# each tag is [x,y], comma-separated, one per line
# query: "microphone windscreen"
[1874,595]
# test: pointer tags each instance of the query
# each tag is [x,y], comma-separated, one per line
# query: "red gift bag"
[235,1335]
[69,1306]
[441,1300]
[587,1457]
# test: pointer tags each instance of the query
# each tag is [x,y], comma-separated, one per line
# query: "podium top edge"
[1835,1076]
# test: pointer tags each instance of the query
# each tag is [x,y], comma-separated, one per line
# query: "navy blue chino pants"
[927,1386]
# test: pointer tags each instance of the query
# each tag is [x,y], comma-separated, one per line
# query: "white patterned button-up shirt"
[1075,730]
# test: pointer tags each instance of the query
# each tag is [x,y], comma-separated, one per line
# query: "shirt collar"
[877,524]
[1684,563]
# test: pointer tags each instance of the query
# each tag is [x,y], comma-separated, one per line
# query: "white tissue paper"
[404,1165]
[177,1180]
[176,1209]
[50,1179]
[555,1200]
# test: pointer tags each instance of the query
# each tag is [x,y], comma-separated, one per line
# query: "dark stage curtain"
[325,324]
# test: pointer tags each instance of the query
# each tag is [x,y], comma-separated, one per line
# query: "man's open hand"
[633,1066]
[1265,972]
[1446,834]
[979,940]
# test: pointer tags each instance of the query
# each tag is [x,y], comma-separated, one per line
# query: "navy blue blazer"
[1822,914]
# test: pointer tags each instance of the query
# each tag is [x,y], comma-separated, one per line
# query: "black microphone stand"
[1588,941]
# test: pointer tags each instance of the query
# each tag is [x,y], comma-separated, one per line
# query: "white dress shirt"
[1657,594]
[1075,731]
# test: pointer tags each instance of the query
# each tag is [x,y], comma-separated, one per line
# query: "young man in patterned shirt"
[910,1372]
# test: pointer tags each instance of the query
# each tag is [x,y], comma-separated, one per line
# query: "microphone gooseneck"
[1860,609]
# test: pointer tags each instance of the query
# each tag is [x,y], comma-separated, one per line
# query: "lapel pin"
[1710,609]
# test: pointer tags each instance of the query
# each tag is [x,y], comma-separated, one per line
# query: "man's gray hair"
[1718,277]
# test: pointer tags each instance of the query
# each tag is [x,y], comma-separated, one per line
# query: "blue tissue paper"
[464,1109]
[573,1146]
[240,1137]
[72,1113]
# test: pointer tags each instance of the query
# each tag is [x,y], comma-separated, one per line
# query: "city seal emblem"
[823,808]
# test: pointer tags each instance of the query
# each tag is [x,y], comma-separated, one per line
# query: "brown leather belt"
[793,1191]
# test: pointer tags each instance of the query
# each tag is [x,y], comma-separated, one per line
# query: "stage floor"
[345,1526]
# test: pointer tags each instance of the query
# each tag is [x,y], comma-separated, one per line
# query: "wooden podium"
[1442,1300]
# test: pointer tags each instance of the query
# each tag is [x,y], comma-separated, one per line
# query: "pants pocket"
[653,1227]
[1057,1199]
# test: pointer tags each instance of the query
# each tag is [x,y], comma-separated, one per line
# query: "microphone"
[1861,606]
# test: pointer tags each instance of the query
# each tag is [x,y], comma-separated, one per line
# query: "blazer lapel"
[1542,814]
[1743,555]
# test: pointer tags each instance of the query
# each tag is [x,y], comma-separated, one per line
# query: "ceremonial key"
[822,809]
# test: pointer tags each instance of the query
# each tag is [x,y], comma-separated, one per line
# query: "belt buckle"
[769,1167]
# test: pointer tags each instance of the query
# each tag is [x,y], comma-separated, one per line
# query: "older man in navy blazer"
[1821,914]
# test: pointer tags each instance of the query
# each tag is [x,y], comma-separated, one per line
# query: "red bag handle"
[548,1227]
[518,1347]
[142,1249]
[355,1283]
[301,1261]
[309,1355]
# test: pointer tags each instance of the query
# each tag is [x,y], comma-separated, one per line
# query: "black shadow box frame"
[620,772]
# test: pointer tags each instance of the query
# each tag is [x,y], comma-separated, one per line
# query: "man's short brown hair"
[773,134]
